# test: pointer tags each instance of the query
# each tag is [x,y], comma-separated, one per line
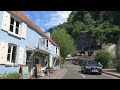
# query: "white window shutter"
[5,21]
[24,59]
[40,42]
[49,45]
[23,30]
[3,52]
[45,42]
[21,56]
[57,51]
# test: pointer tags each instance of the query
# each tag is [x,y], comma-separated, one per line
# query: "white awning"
[30,48]
[71,58]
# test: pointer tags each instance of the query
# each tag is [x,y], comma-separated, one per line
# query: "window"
[14,26]
[11,56]
[57,63]
[44,62]
[90,53]
[47,44]
[92,62]
[56,50]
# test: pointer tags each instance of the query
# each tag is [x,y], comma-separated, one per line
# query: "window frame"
[14,27]
[11,52]
[56,50]
[47,43]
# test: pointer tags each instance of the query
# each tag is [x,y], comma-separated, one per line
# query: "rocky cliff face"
[86,42]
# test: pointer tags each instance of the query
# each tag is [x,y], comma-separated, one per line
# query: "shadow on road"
[87,73]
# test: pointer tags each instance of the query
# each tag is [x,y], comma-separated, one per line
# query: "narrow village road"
[74,72]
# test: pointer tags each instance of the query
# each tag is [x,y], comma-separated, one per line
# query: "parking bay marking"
[81,74]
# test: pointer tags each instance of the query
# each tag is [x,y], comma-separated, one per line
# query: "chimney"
[47,33]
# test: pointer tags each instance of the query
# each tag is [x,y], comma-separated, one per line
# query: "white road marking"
[76,70]
[110,76]
[83,75]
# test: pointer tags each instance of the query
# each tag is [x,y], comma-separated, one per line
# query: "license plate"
[94,70]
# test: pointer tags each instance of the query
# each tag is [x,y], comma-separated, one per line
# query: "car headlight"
[87,67]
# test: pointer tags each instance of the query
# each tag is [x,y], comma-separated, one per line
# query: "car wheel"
[84,71]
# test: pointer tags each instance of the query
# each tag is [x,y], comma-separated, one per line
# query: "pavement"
[58,74]
[112,72]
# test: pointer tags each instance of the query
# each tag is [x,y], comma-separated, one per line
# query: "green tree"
[64,40]
[101,25]
[105,58]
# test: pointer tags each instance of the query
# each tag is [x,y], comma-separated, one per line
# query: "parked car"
[75,62]
[91,66]
[81,62]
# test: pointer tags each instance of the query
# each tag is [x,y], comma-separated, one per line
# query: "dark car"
[91,66]
[81,62]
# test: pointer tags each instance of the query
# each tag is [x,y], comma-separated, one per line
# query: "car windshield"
[92,62]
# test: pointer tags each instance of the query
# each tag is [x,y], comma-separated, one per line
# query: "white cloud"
[57,18]
[38,20]
[28,15]
[64,14]
[49,19]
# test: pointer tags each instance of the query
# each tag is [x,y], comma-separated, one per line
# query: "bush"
[10,76]
[110,64]
[118,66]
[105,58]
[51,70]
[61,61]
[115,62]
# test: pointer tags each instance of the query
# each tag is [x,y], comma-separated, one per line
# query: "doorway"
[35,61]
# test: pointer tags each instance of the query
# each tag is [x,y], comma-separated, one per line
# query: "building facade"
[22,41]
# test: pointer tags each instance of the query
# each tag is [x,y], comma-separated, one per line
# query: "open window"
[56,50]
[12,52]
[47,43]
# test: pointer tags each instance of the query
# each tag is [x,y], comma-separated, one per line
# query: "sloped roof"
[30,23]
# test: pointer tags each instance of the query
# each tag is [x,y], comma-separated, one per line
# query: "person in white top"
[100,64]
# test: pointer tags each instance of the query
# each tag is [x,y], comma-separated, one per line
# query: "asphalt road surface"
[74,72]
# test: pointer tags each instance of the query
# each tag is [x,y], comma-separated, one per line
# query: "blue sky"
[47,19]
